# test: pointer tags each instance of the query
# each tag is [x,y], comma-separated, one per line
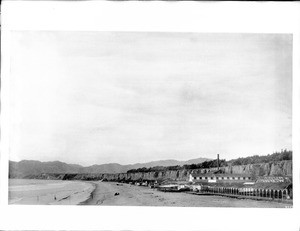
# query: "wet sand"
[49,192]
[131,195]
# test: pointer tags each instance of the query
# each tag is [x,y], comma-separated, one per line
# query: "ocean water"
[48,192]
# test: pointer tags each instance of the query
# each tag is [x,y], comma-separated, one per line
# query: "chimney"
[218,161]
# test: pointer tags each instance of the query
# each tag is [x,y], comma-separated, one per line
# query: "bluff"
[32,167]
[280,168]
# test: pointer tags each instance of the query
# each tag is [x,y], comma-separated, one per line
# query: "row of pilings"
[278,194]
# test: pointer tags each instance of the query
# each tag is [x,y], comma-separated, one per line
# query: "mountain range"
[33,167]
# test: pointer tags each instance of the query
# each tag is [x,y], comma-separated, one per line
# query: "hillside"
[33,167]
[277,168]
[30,167]
[256,159]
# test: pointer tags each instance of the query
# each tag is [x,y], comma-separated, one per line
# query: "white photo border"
[212,17]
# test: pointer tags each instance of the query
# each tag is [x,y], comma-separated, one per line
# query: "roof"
[209,174]
[168,182]
[282,185]
[168,186]
[223,184]
[242,185]
[274,179]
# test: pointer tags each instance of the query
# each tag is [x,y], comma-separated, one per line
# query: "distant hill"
[33,167]
[165,163]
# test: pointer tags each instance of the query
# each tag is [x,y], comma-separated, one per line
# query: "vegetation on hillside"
[205,164]
[276,156]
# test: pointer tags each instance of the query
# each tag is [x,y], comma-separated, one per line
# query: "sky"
[132,97]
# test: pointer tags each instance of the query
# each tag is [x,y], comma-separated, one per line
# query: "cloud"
[136,97]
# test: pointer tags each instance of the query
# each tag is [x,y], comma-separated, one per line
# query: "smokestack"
[218,161]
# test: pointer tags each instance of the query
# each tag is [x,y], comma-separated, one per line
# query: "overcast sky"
[101,97]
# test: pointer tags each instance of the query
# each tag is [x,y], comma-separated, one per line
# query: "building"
[196,187]
[273,179]
[175,187]
[169,188]
[218,177]
[270,187]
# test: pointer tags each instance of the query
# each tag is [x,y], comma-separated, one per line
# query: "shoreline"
[49,192]
[115,194]
[90,197]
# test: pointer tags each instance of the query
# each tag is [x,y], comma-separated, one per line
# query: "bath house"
[218,177]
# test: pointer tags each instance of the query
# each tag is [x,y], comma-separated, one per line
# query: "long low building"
[263,187]
[218,177]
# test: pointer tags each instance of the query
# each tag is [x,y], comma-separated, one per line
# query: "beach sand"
[131,195]
[45,192]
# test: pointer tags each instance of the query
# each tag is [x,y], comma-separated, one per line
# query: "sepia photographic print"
[151,119]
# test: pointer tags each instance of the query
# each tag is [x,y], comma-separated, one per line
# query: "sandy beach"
[52,192]
[49,192]
[131,195]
